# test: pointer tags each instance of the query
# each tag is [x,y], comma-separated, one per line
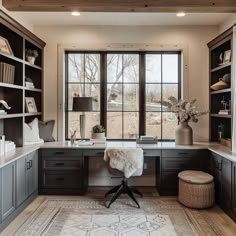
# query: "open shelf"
[6,85]
[221,67]
[5,116]
[34,66]
[222,116]
[14,92]
[228,90]
[33,114]
[33,90]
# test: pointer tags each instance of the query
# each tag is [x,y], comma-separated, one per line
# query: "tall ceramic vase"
[184,134]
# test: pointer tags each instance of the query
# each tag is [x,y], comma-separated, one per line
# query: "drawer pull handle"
[100,153]
[183,153]
[30,163]
[60,179]
[27,165]
[59,164]
[59,153]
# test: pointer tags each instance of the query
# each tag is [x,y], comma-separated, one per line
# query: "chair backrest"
[125,161]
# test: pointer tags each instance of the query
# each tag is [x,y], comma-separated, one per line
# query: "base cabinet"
[234,191]
[174,161]
[7,190]
[62,172]
[26,177]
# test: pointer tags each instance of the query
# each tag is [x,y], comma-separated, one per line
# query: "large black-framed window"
[128,90]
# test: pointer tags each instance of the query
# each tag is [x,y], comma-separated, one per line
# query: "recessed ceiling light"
[75,13]
[181,14]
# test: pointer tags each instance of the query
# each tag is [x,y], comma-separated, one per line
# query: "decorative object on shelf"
[73,135]
[46,130]
[7,73]
[221,132]
[185,112]
[3,106]
[82,104]
[227,57]
[221,57]
[30,104]
[223,83]
[225,104]
[31,133]
[5,46]
[9,146]
[98,132]
[31,55]
[226,142]
[29,83]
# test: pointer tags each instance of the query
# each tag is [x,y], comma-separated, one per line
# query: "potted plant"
[185,112]
[98,132]
[31,55]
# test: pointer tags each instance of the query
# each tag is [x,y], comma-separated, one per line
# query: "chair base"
[123,188]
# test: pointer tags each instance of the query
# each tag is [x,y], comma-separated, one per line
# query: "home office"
[83,85]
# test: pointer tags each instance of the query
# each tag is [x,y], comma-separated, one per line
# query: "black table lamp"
[82,104]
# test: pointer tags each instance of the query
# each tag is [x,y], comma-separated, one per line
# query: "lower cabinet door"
[0,195]
[32,172]
[21,181]
[234,189]
[8,190]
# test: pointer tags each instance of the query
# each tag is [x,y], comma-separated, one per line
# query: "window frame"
[103,83]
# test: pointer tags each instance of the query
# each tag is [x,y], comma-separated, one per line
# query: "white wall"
[194,37]
[18,18]
[227,23]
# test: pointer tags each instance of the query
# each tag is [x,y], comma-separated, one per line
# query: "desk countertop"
[20,152]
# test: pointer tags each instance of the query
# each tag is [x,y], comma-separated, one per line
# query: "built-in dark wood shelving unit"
[217,70]
[20,39]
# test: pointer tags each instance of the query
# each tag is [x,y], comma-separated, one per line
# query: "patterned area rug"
[89,217]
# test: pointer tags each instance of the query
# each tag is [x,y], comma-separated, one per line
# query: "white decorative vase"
[98,135]
[31,60]
[184,134]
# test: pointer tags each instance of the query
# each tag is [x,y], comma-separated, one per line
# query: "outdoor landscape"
[123,91]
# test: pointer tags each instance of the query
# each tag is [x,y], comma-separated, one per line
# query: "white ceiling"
[98,18]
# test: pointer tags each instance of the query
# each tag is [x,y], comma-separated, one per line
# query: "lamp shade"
[82,104]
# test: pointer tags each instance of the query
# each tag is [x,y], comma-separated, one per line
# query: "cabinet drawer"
[183,153]
[63,180]
[61,163]
[93,152]
[181,163]
[61,152]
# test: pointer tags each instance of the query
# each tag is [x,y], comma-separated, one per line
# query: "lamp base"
[82,125]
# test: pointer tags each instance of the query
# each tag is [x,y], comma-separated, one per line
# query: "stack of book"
[9,146]
[224,112]
[7,73]
[29,84]
[98,140]
[2,112]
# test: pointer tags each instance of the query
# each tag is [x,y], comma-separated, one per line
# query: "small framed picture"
[5,46]
[227,57]
[30,104]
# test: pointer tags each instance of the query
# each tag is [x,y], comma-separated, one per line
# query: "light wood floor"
[227,226]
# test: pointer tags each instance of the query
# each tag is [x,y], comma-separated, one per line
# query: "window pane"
[114,97]
[92,118]
[114,68]
[153,68]
[131,68]
[131,125]
[131,97]
[169,90]
[153,124]
[114,125]
[76,67]
[91,90]
[153,97]
[169,125]
[92,68]
[170,68]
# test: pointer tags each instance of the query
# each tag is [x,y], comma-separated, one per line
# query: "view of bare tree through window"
[123,84]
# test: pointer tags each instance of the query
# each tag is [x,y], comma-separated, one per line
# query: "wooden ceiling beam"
[121,5]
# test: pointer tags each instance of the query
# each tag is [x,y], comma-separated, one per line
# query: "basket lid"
[195,177]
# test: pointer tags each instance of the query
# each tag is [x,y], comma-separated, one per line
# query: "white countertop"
[20,152]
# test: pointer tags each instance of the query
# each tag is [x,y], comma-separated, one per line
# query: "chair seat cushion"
[195,177]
